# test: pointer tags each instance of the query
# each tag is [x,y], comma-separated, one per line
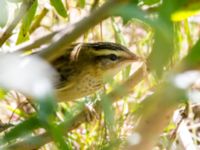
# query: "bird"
[84,68]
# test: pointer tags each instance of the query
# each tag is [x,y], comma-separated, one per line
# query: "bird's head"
[106,57]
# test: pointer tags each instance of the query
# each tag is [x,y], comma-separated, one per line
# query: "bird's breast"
[85,84]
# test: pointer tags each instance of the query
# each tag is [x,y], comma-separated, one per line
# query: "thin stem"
[70,34]
[22,12]
[38,20]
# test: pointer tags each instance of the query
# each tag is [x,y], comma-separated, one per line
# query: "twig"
[38,20]
[36,142]
[70,34]
[5,126]
[63,37]
[94,5]
[22,12]
[36,43]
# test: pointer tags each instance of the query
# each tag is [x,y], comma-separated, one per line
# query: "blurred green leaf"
[163,47]
[2,93]
[18,112]
[192,60]
[119,38]
[109,114]
[47,109]
[59,7]
[189,10]
[168,7]
[186,27]
[170,127]
[163,28]
[150,2]
[57,134]
[182,15]
[4,13]
[81,3]
[47,117]
[15,1]
[117,33]
[26,23]
[129,11]
[22,129]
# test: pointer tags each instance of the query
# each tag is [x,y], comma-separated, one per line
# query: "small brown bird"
[85,66]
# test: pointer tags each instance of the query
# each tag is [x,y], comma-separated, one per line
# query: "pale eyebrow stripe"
[108,52]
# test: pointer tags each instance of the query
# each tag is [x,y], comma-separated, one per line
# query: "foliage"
[165,34]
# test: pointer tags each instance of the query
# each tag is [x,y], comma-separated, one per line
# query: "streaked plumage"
[84,67]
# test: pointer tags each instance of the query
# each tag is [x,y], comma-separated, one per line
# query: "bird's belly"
[81,88]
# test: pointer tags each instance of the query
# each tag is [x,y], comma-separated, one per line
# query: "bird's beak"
[134,58]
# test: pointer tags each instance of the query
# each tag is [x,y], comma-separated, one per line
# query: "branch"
[60,39]
[37,141]
[5,126]
[38,20]
[71,33]
[36,43]
[22,12]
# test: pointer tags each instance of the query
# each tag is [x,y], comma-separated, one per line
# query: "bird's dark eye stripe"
[111,57]
[100,57]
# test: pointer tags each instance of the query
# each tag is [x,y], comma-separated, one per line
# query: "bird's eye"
[113,57]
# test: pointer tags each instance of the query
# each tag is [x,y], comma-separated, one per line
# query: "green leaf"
[22,129]
[26,23]
[163,45]
[150,2]
[162,48]
[15,1]
[192,60]
[2,93]
[168,7]
[186,12]
[4,13]
[18,112]
[81,3]
[59,7]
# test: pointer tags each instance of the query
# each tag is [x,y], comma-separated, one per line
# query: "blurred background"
[160,106]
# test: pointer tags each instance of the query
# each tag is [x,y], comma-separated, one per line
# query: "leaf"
[163,45]
[127,12]
[15,1]
[192,60]
[182,15]
[162,48]
[186,12]
[22,129]
[59,7]
[150,2]
[4,13]
[81,3]
[2,93]
[26,23]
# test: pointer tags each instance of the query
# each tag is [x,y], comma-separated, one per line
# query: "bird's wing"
[66,73]
[67,70]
